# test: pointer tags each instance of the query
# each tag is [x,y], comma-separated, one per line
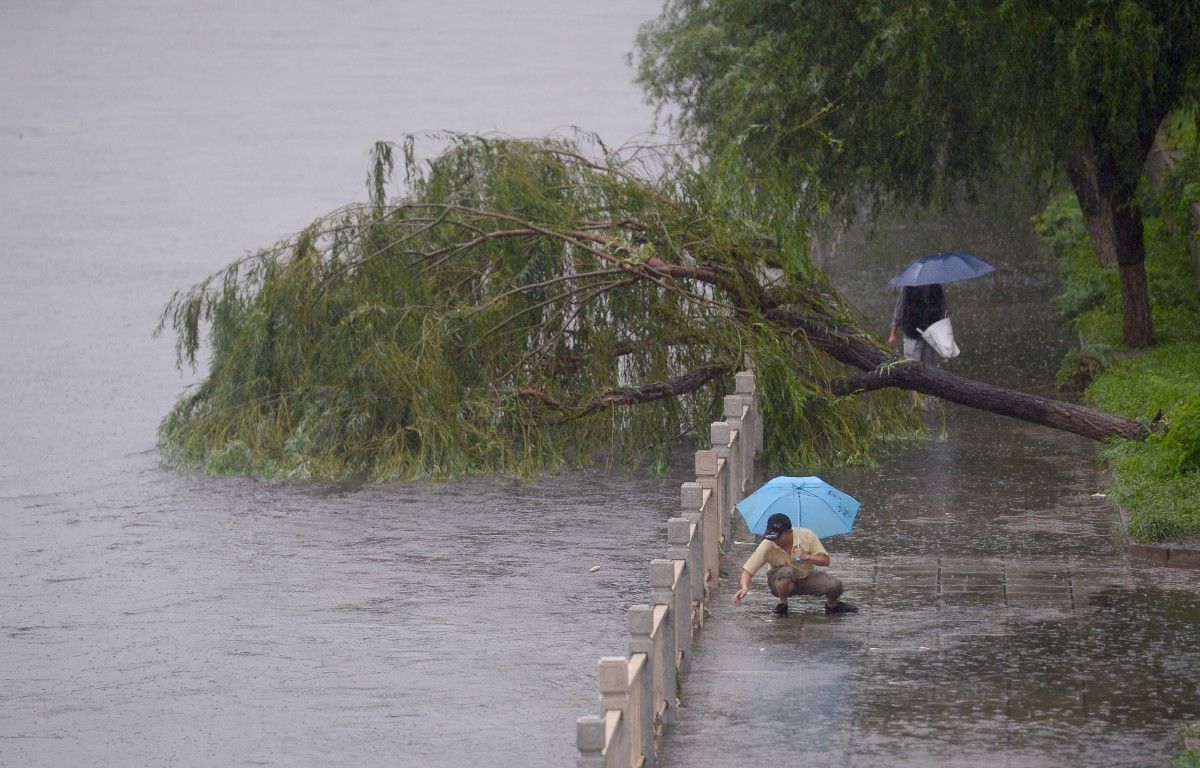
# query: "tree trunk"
[849,347]
[1069,417]
[1114,224]
[1136,326]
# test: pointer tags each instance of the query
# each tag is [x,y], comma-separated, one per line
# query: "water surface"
[154,618]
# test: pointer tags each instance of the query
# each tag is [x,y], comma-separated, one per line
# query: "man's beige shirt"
[769,553]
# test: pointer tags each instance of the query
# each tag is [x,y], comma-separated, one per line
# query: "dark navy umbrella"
[942,268]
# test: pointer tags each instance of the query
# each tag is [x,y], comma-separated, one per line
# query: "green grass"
[1157,482]
[1189,758]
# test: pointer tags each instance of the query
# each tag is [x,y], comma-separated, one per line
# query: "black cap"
[777,524]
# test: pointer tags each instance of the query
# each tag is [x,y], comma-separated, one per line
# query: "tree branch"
[852,348]
[646,393]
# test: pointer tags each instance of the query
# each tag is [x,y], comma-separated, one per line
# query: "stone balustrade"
[639,692]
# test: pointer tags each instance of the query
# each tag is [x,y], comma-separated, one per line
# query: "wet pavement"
[951,661]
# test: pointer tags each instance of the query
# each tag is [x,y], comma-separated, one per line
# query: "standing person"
[792,553]
[917,308]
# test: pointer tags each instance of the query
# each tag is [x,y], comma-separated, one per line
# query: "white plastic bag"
[940,336]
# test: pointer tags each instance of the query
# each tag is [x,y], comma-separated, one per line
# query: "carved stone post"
[641,624]
[589,739]
[680,546]
[614,694]
[662,582]
[745,384]
[722,435]
[734,405]
[678,537]
[706,476]
[691,501]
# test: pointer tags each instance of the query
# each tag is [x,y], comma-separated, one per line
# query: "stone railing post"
[679,537]
[734,410]
[589,739]
[641,624]
[662,582]
[680,546]
[706,476]
[614,695]
[746,385]
[691,501]
[724,445]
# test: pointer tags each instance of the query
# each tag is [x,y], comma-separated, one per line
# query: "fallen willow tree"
[502,313]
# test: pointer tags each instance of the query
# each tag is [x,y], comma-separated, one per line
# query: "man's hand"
[892,338]
[745,586]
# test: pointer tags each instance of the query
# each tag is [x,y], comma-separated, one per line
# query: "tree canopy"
[499,312]
[917,102]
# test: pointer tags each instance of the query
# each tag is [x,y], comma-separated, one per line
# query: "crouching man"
[792,553]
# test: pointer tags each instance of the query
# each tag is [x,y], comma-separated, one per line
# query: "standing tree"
[917,101]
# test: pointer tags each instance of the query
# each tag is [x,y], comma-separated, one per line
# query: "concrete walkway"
[968,661]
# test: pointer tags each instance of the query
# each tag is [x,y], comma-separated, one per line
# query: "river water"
[158,618]
[154,618]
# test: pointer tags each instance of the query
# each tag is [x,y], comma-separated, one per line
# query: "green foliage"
[1188,759]
[512,312]
[919,101]
[1181,184]
[1181,443]
[1080,366]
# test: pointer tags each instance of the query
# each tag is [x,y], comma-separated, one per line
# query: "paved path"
[968,661]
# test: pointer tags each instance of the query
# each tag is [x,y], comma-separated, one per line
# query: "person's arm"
[819,558]
[741,593]
[810,549]
[752,566]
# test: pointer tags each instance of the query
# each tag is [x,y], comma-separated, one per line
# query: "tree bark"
[1137,329]
[1113,221]
[848,346]
[1069,417]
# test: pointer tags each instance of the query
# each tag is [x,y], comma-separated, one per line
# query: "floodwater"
[155,618]
[1001,623]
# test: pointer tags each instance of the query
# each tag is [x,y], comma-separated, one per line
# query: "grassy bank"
[1157,482]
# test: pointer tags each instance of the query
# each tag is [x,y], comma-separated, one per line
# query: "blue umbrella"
[809,501]
[942,268]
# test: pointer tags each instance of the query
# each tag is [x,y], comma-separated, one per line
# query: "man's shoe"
[780,609]
[842,608]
